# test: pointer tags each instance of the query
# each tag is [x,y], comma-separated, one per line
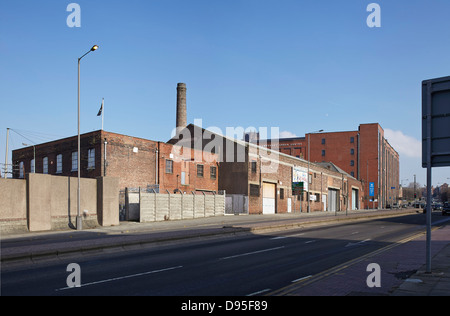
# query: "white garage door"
[269,198]
[354,199]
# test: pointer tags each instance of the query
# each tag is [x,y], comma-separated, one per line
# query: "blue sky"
[297,65]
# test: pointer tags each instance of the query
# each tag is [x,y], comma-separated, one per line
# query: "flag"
[101,109]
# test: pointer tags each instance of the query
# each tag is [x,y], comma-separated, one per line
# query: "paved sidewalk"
[436,283]
[402,271]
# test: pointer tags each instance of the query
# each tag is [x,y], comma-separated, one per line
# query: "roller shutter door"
[332,200]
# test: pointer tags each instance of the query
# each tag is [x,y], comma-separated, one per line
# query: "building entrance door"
[269,195]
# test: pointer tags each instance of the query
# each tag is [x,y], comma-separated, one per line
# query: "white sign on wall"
[300,175]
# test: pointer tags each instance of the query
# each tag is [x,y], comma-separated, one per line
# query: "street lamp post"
[309,158]
[78,220]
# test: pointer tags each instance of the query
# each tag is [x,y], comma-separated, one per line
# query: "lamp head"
[95,47]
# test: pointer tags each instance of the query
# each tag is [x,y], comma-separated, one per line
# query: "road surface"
[249,265]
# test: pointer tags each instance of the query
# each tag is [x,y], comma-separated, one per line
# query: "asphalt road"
[230,266]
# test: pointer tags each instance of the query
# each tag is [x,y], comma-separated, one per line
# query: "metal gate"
[236,204]
[333,200]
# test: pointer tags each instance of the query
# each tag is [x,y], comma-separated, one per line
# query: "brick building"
[135,161]
[266,176]
[365,154]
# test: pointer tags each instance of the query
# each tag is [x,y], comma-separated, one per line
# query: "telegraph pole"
[6,154]
[414,188]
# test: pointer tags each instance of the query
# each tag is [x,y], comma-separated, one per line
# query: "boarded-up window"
[254,190]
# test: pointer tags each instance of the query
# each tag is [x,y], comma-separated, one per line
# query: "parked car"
[446,208]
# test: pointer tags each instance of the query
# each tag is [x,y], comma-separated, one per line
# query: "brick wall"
[137,162]
[64,147]
[365,154]
[131,159]
[187,170]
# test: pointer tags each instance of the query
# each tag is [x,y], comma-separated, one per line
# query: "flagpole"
[103,111]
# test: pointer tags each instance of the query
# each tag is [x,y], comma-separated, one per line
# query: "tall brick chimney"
[181,107]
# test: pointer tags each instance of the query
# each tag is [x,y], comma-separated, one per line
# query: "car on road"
[446,208]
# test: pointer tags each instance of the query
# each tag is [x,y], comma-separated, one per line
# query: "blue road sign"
[371,188]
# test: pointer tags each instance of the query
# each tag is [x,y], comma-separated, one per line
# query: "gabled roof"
[331,166]
[174,140]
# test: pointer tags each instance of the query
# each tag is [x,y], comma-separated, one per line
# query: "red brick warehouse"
[365,154]
[137,162]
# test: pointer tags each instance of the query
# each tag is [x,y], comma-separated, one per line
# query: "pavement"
[402,270]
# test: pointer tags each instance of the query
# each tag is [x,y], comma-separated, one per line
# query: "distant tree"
[444,195]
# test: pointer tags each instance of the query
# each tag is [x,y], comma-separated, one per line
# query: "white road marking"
[279,237]
[300,279]
[251,253]
[310,241]
[259,292]
[356,243]
[287,236]
[301,234]
[120,278]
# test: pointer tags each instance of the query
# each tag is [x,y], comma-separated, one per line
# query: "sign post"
[297,188]
[372,191]
[435,138]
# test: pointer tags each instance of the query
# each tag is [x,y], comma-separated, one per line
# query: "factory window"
[75,161]
[352,139]
[352,151]
[323,152]
[213,172]
[200,171]
[352,174]
[281,194]
[323,141]
[45,165]
[352,162]
[59,163]
[169,166]
[91,158]
[253,166]
[21,169]
[254,190]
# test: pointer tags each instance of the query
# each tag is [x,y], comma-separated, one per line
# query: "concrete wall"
[108,201]
[45,202]
[13,204]
[160,207]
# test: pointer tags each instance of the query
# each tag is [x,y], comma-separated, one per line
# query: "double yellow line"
[292,288]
